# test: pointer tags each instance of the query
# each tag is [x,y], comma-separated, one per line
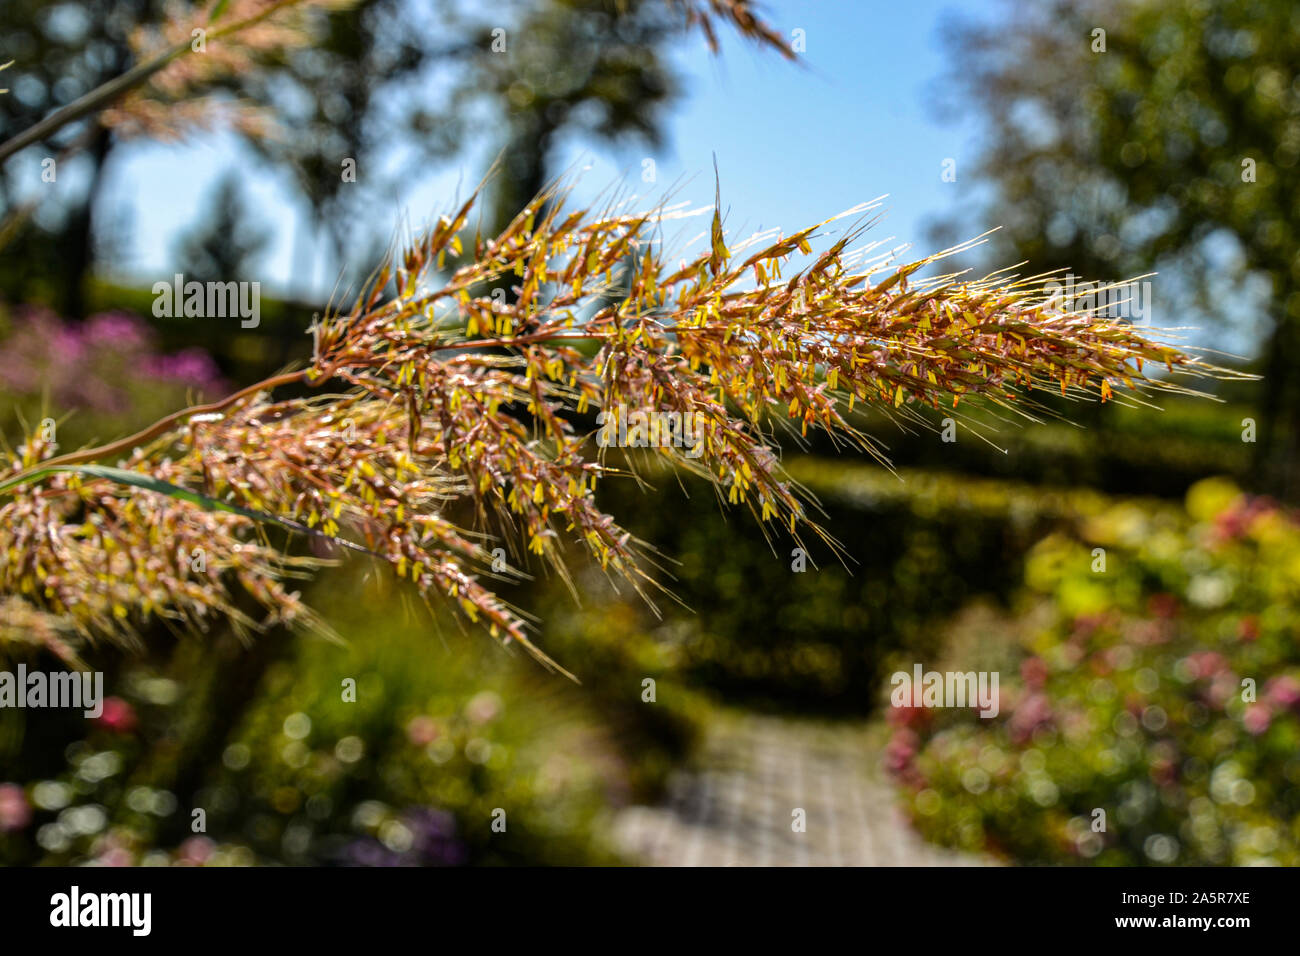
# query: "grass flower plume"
[443,419]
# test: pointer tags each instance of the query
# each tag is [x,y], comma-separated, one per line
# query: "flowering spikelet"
[466,410]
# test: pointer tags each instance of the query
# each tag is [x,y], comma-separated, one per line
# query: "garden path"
[734,806]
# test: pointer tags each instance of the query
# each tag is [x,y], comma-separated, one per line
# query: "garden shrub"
[1118,450]
[1134,699]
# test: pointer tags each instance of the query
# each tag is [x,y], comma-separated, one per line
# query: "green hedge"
[921,546]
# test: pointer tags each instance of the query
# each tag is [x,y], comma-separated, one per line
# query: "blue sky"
[794,144]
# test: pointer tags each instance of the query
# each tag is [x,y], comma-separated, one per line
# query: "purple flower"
[434,843]
[119,331]
[93,363]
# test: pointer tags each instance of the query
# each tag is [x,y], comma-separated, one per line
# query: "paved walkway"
[735,807]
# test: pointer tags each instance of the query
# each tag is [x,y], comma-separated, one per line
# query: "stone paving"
[735,805]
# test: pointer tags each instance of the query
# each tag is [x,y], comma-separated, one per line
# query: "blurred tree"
[534,69]
[1126,136]
[518,78]
[333,105]
[323,97]
[569,67]
[61,52]
[225,240]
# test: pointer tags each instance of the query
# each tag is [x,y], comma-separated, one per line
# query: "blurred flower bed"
[1131,699]
[109,372]
[445,733]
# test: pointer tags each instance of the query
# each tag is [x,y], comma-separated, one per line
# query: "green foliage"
[616,645]
[918,547]
[434,725]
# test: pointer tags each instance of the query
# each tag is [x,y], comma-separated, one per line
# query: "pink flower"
[908,716]
[196,851]
[80,364]
[1257,718]
[15,811]
[900,750]
[192,367]
[1033,672]
[1222,689]
[1032,712]
[1283,692]
[118,330]
[1086,624]
[117,856]
[1237,520]
[422,731]
[1207,663]
[1230,524]
[118,716]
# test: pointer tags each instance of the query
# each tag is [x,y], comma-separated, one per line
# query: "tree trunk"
[78,240]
